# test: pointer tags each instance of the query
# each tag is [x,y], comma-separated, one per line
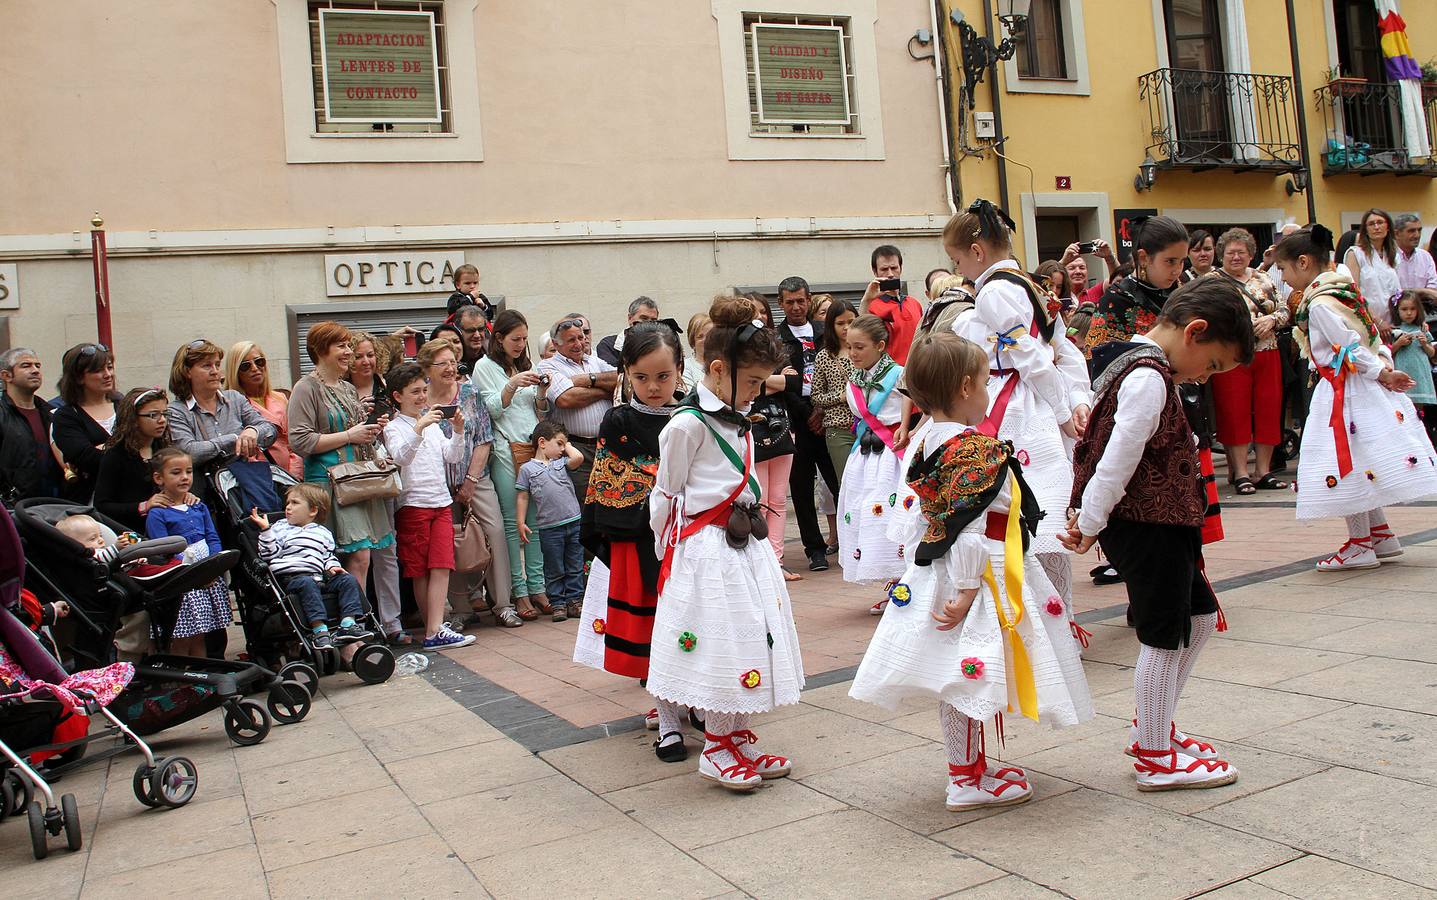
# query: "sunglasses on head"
[259,362]
[89,352]
[573,323]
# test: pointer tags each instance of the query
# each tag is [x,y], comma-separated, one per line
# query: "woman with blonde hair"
[248,372]
[699,326]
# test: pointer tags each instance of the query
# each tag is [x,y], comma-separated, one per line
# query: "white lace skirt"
[1032,426]
[910,657]
[589,645]
[868,496]
[723,636]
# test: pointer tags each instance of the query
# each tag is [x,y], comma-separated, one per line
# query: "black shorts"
[1161,566]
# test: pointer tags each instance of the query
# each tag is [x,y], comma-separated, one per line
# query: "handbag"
[522,453]
[364,480]
[471,549]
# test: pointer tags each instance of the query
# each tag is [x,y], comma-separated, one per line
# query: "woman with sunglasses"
[82,426]
[124,490]
[248,373]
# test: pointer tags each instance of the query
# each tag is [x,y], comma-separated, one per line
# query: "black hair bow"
[992,220]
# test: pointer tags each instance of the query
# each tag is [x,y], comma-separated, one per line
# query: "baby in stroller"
[300,551]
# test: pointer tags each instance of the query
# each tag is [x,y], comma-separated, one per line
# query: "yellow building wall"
[1099,140]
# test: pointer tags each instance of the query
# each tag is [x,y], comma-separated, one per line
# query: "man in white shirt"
[1415,268]
[580,390]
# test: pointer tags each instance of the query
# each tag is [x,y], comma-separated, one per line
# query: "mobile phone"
[376,411]
[411,346]
[448,411]
[890,284]
[1087,247]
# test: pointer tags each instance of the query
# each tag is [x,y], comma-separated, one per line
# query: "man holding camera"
[580,391]
[1076,268]
[801,339]
[884,298]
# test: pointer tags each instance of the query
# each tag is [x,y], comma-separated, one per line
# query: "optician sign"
[358,274]
[9,286]
[379,66]
[800,73]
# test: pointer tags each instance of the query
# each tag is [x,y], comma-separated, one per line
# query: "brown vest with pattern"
[1166,487]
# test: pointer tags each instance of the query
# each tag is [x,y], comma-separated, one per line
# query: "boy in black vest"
[1137,483]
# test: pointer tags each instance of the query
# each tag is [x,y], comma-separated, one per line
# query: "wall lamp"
[1299,181]
[1147,175]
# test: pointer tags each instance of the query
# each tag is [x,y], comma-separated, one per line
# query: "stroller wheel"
[247,722]
[70,815]
[304,673]
[288,702]
[17,793]
[144,785]
[374,663]
[7,798]
[326,662]
[175,781]
[38,845]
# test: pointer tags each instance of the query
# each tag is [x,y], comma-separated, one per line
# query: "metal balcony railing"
[1221,120]
[1363,126]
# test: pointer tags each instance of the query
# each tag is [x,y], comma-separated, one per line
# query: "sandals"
[542,604]
[1245,486]
[1270,482]
[790,576]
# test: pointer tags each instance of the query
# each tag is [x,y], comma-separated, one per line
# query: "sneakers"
[1180,742]
[765,764]
[561,612]
[348,634]
[1357,553]
[321,640]
[1385,543]
[818,561]
[1169,770]
[971,787]
[722,763]
[507,618]
[651,719]
[447,639]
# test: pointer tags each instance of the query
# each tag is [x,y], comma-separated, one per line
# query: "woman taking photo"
[327,427]
[248,373]
[82,426]
[510,389]
[472,485]
[1373,264]
[1249,398]
[124,490]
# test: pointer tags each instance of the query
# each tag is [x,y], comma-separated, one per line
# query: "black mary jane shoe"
[671,753]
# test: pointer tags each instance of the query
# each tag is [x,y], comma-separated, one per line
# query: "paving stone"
[842,854]
[294,744]
[421,866]
[1395,683]
[835,697]
[620,860]
[325,828]
[392,710]
[1392,640]
[408,740]
[1369,821]
[614,763]
[1009,887]
[1287,627]
[61,874]
[667,807]
[1402,606]
[1230,712]
[825,740]
[1247,889]
[294,784]
[1375,739]
[1054,844]
[1263,665]
[222,875]
[1316,878]
[482,825]
[466,770]
[139,837]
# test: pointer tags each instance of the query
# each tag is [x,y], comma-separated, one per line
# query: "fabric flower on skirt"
[972,668]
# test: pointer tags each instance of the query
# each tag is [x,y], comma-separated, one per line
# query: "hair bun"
[1322,236]
[731,312]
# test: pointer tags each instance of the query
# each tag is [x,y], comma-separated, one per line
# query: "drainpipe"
[952,192]
[998,106]
[1301,113]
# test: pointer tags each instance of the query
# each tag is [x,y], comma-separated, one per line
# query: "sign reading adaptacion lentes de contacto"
[379,66]
[800,73]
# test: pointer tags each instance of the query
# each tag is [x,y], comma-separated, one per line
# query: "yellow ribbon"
[1013,581]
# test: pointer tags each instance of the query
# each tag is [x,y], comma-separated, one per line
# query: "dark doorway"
[1366,112]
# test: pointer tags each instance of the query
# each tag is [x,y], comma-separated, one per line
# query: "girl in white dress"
[974,622]
[723,637]
[873,475]
[1030,402]
[1363,447]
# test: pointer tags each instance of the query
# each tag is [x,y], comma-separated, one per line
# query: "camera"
[888,285]
[544,380]
[1087,247]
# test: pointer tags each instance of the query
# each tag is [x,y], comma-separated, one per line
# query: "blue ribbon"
[1003,340]
[1346,356]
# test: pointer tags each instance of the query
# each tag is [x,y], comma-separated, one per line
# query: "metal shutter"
[377,317]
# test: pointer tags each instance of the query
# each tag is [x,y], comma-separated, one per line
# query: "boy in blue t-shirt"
[546,479]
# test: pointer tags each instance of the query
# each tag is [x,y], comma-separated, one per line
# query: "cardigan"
[123,483]
[79,438]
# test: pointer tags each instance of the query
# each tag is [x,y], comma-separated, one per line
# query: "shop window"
[800,75]
[379,67]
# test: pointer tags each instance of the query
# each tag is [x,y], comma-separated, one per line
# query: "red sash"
[1338,379]
[885,434]
[717,516]
[994,419]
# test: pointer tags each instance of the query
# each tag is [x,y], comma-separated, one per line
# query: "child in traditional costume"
[974,622]
[723,637]
[1364,446]
[1137,485]
[873,476]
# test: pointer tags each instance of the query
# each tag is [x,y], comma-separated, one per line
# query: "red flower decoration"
[750,679]
[1023,457]
[1331,481]
[878,509]
[1400,417]
[599,626]
[972,668]
[1054,606]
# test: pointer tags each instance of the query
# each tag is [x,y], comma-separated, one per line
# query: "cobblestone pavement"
[507,771]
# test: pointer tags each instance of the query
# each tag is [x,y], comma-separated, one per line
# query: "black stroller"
[274,623]
[45,713]
[167,690]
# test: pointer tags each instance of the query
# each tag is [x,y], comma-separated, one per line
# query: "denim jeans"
[310,590]
[563,563]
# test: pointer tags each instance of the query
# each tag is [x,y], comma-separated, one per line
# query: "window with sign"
[800,75]
[379,67]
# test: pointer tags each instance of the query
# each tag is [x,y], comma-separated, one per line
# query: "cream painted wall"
[166,115]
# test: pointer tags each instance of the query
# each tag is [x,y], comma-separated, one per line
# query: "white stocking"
[1202,628]
[961,735]
[1155,682]
[1358,527]
[719,724]
[1059,569]
[1376,517]
[671,722]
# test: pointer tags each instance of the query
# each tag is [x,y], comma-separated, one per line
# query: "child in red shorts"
[423,441]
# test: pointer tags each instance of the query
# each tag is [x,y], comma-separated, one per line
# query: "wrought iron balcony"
[1364,134]
[1199,120]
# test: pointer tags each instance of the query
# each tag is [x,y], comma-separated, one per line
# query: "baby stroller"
[276,632]
[45,715]
[104,599]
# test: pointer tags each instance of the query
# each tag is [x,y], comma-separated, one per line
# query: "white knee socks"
[1155,682]
[671,720]
[1202,629]
[961,736]
[1060,572]
[719,724]
[1359,527]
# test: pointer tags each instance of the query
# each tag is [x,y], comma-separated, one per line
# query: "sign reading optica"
[800,73]
[379,66]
